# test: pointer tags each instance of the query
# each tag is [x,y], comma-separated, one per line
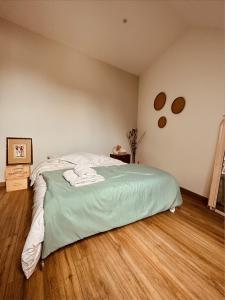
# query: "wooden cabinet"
[16,184]
[123,157]
[17,177]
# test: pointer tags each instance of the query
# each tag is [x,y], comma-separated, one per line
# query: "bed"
[64,214]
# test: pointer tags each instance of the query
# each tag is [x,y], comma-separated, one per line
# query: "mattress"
[129,193]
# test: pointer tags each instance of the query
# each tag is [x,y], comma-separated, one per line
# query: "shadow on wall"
[62,99]
[63,65]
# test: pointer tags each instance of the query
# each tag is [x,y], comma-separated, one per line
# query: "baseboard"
[194,195]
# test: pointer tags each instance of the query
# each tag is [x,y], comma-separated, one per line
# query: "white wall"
[194,68]
[62,99]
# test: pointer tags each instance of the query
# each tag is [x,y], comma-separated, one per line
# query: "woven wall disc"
[178,105]
[162,122]
[160,101]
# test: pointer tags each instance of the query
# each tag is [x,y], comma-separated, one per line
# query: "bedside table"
[17,177]
[123,157]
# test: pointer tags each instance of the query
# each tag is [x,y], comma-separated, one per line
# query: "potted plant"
[132,136]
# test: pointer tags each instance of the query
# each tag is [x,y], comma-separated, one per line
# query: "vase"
[133,155]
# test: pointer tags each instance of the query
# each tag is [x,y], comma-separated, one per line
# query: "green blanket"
[129,193]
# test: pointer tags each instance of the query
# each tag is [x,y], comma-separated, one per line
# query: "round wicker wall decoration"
[160,101]
[178,105]
[162,122]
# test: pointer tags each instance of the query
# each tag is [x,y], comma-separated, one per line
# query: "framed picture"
[19,151]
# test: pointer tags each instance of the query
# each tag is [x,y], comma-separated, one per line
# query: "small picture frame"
[19,151]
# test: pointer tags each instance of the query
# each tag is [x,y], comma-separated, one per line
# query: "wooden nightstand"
[17,177]
[123,157]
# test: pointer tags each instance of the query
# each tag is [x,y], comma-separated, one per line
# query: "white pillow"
[90,159]
[79,158]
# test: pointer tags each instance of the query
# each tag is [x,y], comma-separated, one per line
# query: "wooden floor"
[167,256]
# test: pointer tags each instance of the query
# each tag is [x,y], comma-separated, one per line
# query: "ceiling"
[96,28]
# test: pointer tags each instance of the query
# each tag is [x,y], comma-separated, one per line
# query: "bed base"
[42,264]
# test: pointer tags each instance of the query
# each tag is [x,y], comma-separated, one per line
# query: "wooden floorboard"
[167,256]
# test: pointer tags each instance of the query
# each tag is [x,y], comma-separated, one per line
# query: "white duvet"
[33,245]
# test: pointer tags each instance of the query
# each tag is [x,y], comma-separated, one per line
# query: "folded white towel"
[80,181]
[77,181]
[82,170]
[70,176]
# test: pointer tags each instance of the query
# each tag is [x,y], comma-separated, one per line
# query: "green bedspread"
[129,193]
